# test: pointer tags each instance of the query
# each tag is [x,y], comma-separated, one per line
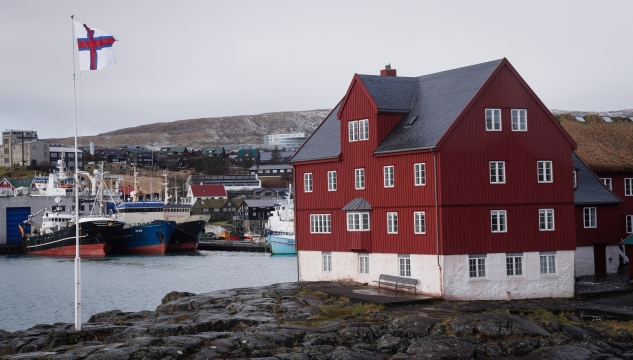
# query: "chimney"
[388,71]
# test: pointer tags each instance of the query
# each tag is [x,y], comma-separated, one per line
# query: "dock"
[233,245]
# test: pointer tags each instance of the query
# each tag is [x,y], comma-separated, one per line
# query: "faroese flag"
[95,48]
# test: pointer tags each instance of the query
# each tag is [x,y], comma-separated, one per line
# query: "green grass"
[547,316]
[16,172]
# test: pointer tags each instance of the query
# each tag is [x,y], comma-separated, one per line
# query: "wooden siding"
[617,186]
[607,222]
[465,176]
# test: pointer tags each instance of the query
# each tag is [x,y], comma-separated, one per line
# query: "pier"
[233,245]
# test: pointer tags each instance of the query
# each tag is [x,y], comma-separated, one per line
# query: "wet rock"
[519,347]
[462,325]
[188,342]
[314,339]
[162,352]
[143,341]
[412,327]
[170,330]
[495,326]
[318,352]
[389,344]
[112,316]
[295,356]
[437,345]
[175,295]
[356,334]
[343,353]
[208,353]
[563,352]
[114,354]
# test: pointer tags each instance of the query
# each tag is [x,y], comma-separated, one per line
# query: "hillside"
[241,129]
[602,145]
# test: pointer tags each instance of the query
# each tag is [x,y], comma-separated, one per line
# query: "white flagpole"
[77,258]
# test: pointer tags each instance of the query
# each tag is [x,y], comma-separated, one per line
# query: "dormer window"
[353,130]
[358,130]
[364,129]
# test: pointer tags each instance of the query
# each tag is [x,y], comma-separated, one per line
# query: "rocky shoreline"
[299,321]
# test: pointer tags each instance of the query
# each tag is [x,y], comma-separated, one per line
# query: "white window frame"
[363,263]
[331,180]
[575,179]
[419,222]
[476,266]
[356,221]
[419,174]
[388,176]
[307,182]
[628,187]
[590,217]
[363,130]
[629,224]
[392,222]
[546,219]
[547,263]
[495,119]
[326,261]
[497,172]
[404,265]
[545,174]
[499,219]
[320,223]
[359,179]
[352,128]
[519,119]
[514,264]
[607,182]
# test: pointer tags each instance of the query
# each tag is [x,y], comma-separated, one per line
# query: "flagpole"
[77,258]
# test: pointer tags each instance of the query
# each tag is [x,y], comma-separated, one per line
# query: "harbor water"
[39,290]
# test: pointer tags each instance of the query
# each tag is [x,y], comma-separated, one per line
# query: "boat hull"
[145,239]
[282,244]
[95,240]
[186,236]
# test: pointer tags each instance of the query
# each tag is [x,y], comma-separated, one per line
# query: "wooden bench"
[397,282]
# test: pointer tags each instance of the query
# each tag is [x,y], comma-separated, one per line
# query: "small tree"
[275,157]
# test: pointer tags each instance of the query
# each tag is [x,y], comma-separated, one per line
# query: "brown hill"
[242,129]
[603,146]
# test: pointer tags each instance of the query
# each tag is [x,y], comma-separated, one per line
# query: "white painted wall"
[345,266]
[583,261]
[614,256]
[496,285]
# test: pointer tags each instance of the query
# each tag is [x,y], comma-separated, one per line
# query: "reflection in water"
[39,290]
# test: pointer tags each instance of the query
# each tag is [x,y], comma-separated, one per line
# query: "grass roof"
[602,146]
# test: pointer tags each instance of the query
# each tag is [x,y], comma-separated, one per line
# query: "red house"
[459,179]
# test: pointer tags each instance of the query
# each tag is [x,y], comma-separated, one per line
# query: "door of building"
[600,258]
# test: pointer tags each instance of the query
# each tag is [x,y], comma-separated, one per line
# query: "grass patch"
[308,292]
[18,172]
[547,316]
[343,309]
[612,327]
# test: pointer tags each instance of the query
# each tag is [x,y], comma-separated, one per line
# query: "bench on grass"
[397,282]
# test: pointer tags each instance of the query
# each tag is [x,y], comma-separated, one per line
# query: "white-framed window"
[628,187]
[364,129]
[514,264]
[546,219]
[388,172]
[392,223]
[590,217]
[331,180]
[320,223]
[307,182]
[606,182]
[477,266]
[419,222]
[519,120]
[629,224]
[493,119]
[359,178]
[548,262]
[498,220]
[575,179]
[363,263]
[327,262]
[358,221]
[544,171]
[352,127]
[497,172]
[419,173]
[404,265]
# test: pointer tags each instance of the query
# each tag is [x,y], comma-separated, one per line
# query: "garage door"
[15,217]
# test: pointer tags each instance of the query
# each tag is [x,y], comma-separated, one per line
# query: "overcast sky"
[191,59]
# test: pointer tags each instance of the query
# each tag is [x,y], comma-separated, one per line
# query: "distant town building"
[230,182]
[270,170]
[11,139]
[68,155]
[286,141]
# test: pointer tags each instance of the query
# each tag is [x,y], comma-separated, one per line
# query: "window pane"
[518,265]
[481,267]
[509,266]
[543,264]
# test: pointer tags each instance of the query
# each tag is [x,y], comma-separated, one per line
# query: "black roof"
[436,100]
[357,204]
[590,189]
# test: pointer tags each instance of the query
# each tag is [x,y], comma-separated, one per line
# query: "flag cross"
[93,44]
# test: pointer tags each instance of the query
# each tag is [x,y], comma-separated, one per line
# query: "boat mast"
[77,258]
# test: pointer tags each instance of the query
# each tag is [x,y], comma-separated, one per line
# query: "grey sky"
[190,59]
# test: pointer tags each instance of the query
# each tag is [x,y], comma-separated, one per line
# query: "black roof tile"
[391,93]
[590,189]
[357,204]
[325,141]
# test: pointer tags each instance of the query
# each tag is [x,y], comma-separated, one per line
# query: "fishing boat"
[189,228]
[55,236]
[145,231]
[280,227]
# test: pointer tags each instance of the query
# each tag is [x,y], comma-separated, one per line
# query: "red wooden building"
[460,179]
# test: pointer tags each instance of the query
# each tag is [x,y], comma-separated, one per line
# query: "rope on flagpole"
[77,258]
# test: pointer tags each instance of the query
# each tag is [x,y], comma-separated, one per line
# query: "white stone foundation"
[453,281]
[613,259]
[585,263]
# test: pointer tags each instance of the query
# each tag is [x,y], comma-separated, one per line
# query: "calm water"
[39,290]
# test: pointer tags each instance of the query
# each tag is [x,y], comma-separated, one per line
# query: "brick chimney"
[388,71]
